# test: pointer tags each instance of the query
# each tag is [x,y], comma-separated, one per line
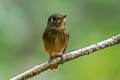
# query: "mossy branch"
[70,56]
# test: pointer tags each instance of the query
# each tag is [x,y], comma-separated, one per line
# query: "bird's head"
[56,21]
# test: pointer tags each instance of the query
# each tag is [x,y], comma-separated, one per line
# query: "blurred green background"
[22,23]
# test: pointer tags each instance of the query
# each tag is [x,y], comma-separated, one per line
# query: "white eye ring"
[53,19]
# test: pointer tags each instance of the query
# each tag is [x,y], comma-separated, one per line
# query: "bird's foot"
[50,61]
[62,58]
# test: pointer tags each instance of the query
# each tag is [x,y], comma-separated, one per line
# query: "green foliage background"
[22,23]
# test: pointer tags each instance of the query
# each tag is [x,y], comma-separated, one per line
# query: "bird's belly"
[57,47]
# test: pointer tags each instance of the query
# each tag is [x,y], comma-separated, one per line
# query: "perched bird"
[55,37]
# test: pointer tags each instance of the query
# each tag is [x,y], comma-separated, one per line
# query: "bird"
[55,37]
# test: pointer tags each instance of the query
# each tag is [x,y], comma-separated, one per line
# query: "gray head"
[56,20]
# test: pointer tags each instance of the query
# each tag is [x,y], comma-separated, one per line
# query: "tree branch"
[70,56]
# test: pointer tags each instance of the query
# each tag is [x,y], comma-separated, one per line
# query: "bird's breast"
[55,42]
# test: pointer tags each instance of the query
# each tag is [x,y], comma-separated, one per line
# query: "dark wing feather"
[67,43]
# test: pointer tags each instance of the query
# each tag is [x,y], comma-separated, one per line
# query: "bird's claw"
[62,58]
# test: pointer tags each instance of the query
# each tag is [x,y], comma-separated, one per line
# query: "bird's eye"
[53,18]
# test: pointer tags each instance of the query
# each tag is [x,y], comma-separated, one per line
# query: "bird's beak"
[64,16]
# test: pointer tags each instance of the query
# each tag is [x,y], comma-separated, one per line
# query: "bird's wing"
[67,42]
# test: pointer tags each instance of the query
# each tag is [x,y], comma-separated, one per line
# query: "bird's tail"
[53,67]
